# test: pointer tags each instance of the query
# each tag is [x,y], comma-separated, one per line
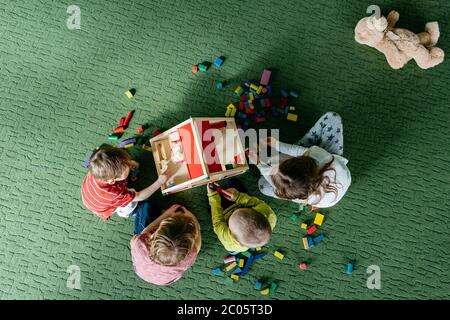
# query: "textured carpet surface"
[62,92]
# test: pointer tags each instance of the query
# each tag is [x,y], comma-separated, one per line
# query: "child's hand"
[162,179]
[134,165]
[231,194]
[209,189]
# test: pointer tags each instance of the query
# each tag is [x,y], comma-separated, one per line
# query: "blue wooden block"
[247,84]
[284,93]
[237,270]
[349,268]
[127,141]
[258,284]
[318,238]
[218,62]
[219,85]
[310,242]
[269,89]
[247,266]
[294,94]
[217,271]
[259,256]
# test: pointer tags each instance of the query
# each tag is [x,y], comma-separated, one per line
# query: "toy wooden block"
[146,148]
[130,93]
[258,284]
[231,266]
[194,158]
[247,266]
[278,254]
[259,256]
[318,238]
[305,243]
[195,69]
[254,87]
[294,216]
[114,136]
[294,94]
[219,61]
[217,271]
[130,145]
[258,249]
[310,242]
[259,90]
[119,130]
[127,120]
[229,259]
[127,141]
[241,263]
[273,288]
[236,271]
[265,292]
[284,93]
[311,229]
[265,77]
[292,117]
[231,110]
[229,280]
[121,121]
[235,277]
[238,91]
[304,226]
[318,220]
[219,85]
[303,266]
[349,268]
[203,67]
[246,253]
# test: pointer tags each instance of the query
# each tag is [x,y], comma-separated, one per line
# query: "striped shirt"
[103,198]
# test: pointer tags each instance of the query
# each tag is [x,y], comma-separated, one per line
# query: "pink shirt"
[152,272]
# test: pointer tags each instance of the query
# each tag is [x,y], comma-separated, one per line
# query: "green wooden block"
[294,216]
[202,67]
[246,253]
[113,136]
[229,280]
[273,288]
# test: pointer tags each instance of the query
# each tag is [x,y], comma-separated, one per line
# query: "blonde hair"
[109,163]
[173,241]
[252,228]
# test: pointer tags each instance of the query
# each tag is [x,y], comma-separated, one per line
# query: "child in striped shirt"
[105,189]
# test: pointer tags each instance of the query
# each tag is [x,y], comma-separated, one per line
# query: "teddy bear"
[400,45]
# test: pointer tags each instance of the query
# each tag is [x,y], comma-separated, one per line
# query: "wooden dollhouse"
[198,151]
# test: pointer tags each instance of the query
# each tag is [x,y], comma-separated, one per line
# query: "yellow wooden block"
[231,110]
[235,277]
[259,90]
[146,147]
[319,219]
[231,266]
[305,243]
[254,87]
[279,255]
[265,292]
[241,263]
[258,249]
[131,145]
[129,94]
[251,96]
[292,117]
[304,226]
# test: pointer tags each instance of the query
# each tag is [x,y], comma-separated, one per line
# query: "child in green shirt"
[247,223]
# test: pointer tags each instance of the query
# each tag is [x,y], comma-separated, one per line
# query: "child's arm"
[292,150]
[147,192]
[220,226]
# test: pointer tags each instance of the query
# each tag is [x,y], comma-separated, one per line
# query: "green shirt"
[220,217]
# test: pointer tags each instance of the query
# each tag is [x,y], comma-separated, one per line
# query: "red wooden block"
[241,105]
[303,266]
[195,69]
[128,118]
[311,229]
[141,129]
[267,102]
[121,121]
[260,119]
[119,130]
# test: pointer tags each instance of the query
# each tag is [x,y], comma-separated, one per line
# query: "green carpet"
[62,93]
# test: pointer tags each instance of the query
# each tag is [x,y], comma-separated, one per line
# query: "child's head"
[300,177]
[251,228]
[174,240]
[110,164]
